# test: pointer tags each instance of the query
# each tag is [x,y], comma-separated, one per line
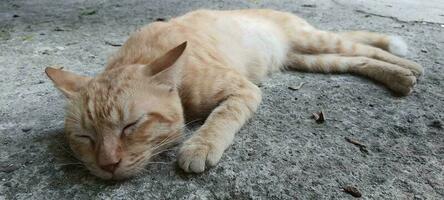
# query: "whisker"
[158,163]
[67,164]
[167,140]
[71,164]
[163,145]
[192,121]
[159,152]
[66,150]
[146,161]
[161,142]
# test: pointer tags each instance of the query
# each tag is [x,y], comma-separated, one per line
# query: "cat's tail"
[390,43]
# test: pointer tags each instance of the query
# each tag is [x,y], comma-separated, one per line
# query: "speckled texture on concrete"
[280,154]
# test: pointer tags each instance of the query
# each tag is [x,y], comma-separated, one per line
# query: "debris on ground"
[361,146]
[86,12]
[58,29]
[8,168]
[113,44]
[27,37]
[26,129]
[308,5]
[296,87]
[352,191]
[436,124]
[319,117]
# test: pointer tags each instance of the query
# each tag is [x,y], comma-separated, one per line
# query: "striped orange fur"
[206,64]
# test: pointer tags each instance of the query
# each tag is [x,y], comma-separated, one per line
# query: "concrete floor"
[280,154]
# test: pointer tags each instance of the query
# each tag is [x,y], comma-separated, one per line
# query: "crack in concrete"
[389,17]
[396,19]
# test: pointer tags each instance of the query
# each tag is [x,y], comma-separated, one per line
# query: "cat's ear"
[166,69]
[67,82]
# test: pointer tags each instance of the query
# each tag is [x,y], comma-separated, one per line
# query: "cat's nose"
[110,167]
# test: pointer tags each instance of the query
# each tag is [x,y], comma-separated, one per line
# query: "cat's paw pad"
[403,83]
[195,156]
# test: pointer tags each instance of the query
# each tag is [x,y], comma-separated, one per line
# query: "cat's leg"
[306,39]
[323,42]
[396,78]
[206,146]
[391,43]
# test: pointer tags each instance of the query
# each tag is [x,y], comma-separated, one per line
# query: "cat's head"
[117,121]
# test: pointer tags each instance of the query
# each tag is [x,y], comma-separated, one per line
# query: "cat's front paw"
[195,155]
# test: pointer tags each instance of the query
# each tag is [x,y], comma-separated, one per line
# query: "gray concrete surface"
[280,154]
[403,10]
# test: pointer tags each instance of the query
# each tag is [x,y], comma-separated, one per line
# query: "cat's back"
[249,40]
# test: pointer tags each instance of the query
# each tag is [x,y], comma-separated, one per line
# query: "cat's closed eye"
[85,138]
[129,128]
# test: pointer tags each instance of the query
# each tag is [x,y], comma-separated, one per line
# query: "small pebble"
[309,6]
[436,124]
[319,117]
[26,129]
[8,168]
[352,191]
[7,184]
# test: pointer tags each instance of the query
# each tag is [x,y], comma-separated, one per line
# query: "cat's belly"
[255,46]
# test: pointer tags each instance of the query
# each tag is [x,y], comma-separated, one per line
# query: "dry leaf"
[296,87]
[352,190]
[319,117]
[361,146]
[112,44]
[8,168]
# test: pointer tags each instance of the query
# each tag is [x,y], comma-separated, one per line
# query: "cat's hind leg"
[323,42]
[396,78]
[206,146]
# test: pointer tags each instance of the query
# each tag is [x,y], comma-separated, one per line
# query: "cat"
[206,64]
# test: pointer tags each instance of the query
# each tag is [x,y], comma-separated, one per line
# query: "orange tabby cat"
[206,64]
